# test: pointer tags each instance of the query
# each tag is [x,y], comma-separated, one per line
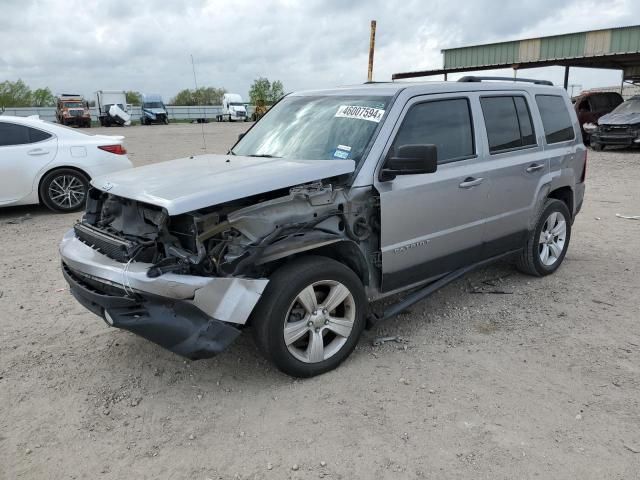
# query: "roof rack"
[471,78]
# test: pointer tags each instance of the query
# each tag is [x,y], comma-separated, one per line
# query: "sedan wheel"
[64,190]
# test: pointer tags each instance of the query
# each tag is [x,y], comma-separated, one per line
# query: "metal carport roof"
[612,48]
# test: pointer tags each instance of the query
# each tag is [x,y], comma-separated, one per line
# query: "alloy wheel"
[67,192]
[552,238]
[319,321]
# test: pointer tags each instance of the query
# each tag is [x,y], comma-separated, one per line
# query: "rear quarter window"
[555,118]
[13,134]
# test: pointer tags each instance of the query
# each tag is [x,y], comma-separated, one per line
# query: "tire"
[542,256]
[598,147]
[60,181]
[280,305]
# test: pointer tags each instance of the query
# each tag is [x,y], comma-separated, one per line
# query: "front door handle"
[37,151]
[534,167]
[470,182]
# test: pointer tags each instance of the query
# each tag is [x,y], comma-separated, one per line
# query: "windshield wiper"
[263,155]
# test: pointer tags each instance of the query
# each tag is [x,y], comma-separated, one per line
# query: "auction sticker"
[360,113]
[342,151]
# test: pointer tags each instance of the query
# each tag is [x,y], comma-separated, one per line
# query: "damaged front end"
[189,282]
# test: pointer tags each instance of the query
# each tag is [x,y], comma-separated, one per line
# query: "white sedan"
[42,162]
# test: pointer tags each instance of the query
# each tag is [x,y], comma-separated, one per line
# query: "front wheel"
[598,147]
[547,244]
[310,316]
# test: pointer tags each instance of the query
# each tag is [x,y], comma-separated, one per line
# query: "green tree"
[42,97]
[133,97]
[201,96]
[15,94]
[277,91]
[263,92]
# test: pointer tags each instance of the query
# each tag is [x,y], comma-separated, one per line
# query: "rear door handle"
[534,167]
[470,182]
[37,151]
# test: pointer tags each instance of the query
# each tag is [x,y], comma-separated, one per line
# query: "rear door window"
[443,123]
[555,118]
[508,123]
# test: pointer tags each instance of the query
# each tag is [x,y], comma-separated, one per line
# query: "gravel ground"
[498,376]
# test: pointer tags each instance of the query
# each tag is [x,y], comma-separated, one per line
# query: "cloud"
[75,45]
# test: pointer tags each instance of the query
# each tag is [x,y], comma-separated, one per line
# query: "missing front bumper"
[176,325]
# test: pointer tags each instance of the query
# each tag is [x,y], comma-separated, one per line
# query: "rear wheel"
[64,190]
[310,316]
[547,244]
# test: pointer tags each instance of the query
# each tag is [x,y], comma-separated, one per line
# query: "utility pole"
[573,86]
[372,46]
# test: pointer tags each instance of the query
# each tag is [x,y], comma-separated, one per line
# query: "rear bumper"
[190,315]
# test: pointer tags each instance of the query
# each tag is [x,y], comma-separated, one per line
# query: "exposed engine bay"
[240,238]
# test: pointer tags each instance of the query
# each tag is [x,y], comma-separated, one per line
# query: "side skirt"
[424,292]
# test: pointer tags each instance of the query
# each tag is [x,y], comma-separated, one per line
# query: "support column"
[445,76]
[566,77]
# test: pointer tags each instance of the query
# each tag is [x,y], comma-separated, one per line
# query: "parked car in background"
[620,127]
[379,188]
[73,110]
[112,108]
[43,162]
[153,110]
[233,108]
[590,106]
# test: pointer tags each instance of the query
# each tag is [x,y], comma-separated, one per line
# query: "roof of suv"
[418,88]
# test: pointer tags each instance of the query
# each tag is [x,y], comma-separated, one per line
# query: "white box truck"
[233,108]
[112,108]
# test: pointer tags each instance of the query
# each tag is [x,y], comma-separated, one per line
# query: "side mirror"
[240,135]
[410,160]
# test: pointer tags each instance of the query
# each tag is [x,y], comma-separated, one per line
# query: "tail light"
[584,169]
[115,149]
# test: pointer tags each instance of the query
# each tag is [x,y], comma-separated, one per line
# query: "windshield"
[630,106]
[153,105]
[315,128]
[236,104]
[73,104]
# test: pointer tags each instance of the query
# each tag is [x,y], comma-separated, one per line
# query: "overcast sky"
[80,46]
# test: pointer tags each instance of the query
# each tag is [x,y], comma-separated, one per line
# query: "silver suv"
[333,200]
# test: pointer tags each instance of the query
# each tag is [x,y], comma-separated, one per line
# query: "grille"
[76,113]
[616,128]
[113,247]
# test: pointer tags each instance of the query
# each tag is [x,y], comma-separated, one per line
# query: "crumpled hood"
[628,118]
[192,183]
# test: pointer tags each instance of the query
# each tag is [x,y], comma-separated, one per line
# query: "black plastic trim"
[177,325]
[449,263]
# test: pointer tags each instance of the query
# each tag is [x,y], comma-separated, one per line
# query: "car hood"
[192,183]
[155,111]
[628,118]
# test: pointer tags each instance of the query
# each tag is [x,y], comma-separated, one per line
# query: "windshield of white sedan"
[315,128]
